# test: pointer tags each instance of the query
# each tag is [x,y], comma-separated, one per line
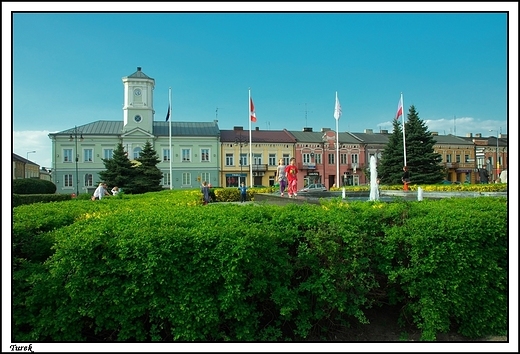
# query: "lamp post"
[496,154]
[240,142]
[30,152]
[26,172]
[74,136]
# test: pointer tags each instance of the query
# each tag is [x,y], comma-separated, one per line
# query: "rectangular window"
[343,159]
[88,155]
[257,158]
[306,158]
[67,180]
[466,158]
[272,160]
[457,158]
[166,155]
[355,159]
[186,155]
[286,159]
[186,179]
[205,177]
[331,159]
[243,159]
[448,158]
[204,155]
[318,159]
[229,160]
[166,179]
[108,153]
[67,155]
[88,180]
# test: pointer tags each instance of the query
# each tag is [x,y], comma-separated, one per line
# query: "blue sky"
[67,67]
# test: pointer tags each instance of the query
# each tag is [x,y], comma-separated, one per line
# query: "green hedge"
[160,267]
[33,186]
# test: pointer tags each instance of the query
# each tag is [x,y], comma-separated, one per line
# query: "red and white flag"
[399,109]
[252,110]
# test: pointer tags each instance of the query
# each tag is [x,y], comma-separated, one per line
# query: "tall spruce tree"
[390,167]
[119,170]
[148,178]
[422,161]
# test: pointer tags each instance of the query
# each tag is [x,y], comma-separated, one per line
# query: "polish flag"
[399,109]
[252,110]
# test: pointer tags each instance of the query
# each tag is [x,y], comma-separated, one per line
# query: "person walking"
[280,176]
[484,176]
[405,178]
[205,192]
[243,192]
[291,172]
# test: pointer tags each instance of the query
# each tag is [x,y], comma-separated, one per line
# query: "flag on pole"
[252,110]
[399,109]
[168,114]
[337,108]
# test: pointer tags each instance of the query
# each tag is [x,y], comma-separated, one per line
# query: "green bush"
[33,186]
[174,271]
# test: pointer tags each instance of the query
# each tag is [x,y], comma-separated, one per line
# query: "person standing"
[291,172]
[243,192]
[280,176]
[405,178]
[503,176]
[205,192]
[484,176]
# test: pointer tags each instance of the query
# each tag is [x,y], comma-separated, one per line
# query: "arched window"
[137,151]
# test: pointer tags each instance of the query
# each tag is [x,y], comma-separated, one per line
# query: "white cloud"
[39,141]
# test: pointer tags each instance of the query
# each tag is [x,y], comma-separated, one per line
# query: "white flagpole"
[170,131]
[250,142]
[404,135]
[337,113]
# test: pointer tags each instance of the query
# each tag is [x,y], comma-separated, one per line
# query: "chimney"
[435,133]
[323,130]
[305,129]
[138,68]
[257,128]
[384,131]
[502,136]
[469,135]
[478,135]
[369,131]
[238,128]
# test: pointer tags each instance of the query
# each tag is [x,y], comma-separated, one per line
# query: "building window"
[272,160]
[286,159]
[457,158]
[67,179]
[355,159]
[448,158]
[205,177]
[186,179]
[229,160]
[186,155]
[318,159]
[257,158]
[331,159]
[343,159]
[166,178]
[108,153]
[88,180]
[466,158]
[306,158]
[67,155]
[243,159]
[204,155]
[166,154]
[137,152]
[87,155]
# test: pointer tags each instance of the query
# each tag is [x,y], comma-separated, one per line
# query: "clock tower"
[138,105]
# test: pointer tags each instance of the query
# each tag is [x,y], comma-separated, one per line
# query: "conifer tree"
[390,167]
[149,176]
[119,170]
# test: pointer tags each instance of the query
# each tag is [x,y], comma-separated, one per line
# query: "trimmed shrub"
[33,186]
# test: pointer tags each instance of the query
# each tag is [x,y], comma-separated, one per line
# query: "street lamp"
[74,136]
[497,165]
[240,142]
[30,152]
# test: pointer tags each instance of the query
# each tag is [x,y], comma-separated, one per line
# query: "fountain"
[374,187]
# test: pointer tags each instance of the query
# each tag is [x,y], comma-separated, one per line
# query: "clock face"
[137,92]
[137,118]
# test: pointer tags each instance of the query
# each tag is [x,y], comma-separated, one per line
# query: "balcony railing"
[452,164]
[306,166]
[260,167]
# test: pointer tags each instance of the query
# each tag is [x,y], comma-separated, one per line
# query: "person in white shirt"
[115,190]
[503,176]
[100,192]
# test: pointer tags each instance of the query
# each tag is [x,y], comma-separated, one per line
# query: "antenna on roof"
[216,113]
[306,114]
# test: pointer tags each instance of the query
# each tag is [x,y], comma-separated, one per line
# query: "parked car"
[315,187]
